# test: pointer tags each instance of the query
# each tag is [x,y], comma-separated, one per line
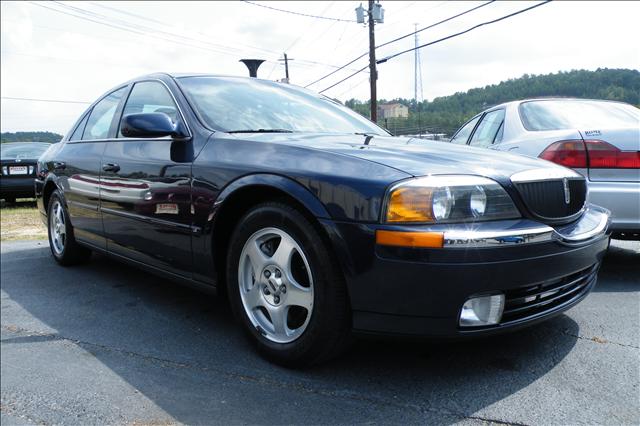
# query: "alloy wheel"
[276,285]
[58,228]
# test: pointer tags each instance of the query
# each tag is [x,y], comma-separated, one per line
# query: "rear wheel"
[65,249]
[286,288]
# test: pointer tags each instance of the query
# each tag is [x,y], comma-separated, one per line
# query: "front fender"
[282,183]
[208,212]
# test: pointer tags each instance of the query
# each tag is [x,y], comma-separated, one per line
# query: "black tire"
[71,252]
[11,200]
[328,330]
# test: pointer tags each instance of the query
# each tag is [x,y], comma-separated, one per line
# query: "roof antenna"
[253,65]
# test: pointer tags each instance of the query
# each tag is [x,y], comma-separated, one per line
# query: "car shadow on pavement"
[183,351]
[621,262]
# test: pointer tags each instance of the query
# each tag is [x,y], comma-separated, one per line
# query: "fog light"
[483,310]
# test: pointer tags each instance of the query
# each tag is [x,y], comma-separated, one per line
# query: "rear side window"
[463,134]
[101,116]
[77,133]
[488,128]
[150,96]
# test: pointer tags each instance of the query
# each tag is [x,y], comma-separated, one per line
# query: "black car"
[314,221]
[18,160]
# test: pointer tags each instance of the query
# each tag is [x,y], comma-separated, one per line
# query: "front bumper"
[420,291]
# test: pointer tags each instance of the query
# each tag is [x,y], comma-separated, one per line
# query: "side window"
[488,128]
[500,133]
[150,96]
[463,134]
[102,116]
[77,133]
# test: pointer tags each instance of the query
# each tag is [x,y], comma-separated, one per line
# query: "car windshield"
[238,105]
[577,114]
[28,150]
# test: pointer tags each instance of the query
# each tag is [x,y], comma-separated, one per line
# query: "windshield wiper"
[261,131]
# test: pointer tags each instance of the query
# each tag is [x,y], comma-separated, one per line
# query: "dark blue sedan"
[315,222]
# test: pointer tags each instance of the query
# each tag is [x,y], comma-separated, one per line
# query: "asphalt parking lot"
[108,344]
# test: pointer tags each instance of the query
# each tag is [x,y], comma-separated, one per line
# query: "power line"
[466,31]
[402,37]
[146,18]
[446,38]
[145,30]
[61,101]
[352,87]
[298,13]
[345,79]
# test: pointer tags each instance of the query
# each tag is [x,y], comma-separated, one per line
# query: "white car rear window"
[577,114]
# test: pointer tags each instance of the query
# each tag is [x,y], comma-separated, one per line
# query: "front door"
[78,167]
[146,189]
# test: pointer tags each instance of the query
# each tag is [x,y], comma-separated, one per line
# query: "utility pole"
[286,66]
[373,73]
[415,67]
[375,14]
[416,61]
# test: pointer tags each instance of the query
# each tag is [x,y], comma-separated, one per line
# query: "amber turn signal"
[410,239]
[410,204]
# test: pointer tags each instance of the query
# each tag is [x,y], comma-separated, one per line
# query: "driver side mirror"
[151,125]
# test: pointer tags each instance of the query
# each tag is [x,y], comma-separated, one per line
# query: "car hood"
[417,157]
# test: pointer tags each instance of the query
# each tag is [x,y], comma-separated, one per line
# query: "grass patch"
[21,221]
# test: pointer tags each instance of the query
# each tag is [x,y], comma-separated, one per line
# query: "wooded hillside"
[446,114]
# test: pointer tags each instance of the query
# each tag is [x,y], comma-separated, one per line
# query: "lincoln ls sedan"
[313,221]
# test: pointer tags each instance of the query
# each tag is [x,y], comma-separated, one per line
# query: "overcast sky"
[48,54]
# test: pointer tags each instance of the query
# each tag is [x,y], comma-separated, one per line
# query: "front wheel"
[66,251]
[286,288]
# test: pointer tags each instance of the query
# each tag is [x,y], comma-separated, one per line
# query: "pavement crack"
[599,340]
[373,400]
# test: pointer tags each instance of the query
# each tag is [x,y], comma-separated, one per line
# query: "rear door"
[146,189]
[77,166]
[489,130]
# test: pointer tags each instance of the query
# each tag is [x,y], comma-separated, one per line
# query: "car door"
[461,137]
[489,130]
[77,166]
[146,189]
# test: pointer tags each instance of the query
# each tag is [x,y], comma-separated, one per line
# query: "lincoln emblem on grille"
[567,194]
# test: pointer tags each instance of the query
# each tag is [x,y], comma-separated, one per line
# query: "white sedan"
[599,139]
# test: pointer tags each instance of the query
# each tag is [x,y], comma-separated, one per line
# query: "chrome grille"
[547,199]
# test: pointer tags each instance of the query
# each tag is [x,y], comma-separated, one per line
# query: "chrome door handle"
[111,167]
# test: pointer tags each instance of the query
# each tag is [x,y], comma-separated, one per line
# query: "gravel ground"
[108,344]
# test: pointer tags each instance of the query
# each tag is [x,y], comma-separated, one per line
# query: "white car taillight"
[594,154]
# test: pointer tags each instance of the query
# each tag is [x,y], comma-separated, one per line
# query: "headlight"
[446,199]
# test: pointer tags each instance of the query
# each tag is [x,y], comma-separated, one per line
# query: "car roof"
[550,98]
[197,74]
[26,142]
